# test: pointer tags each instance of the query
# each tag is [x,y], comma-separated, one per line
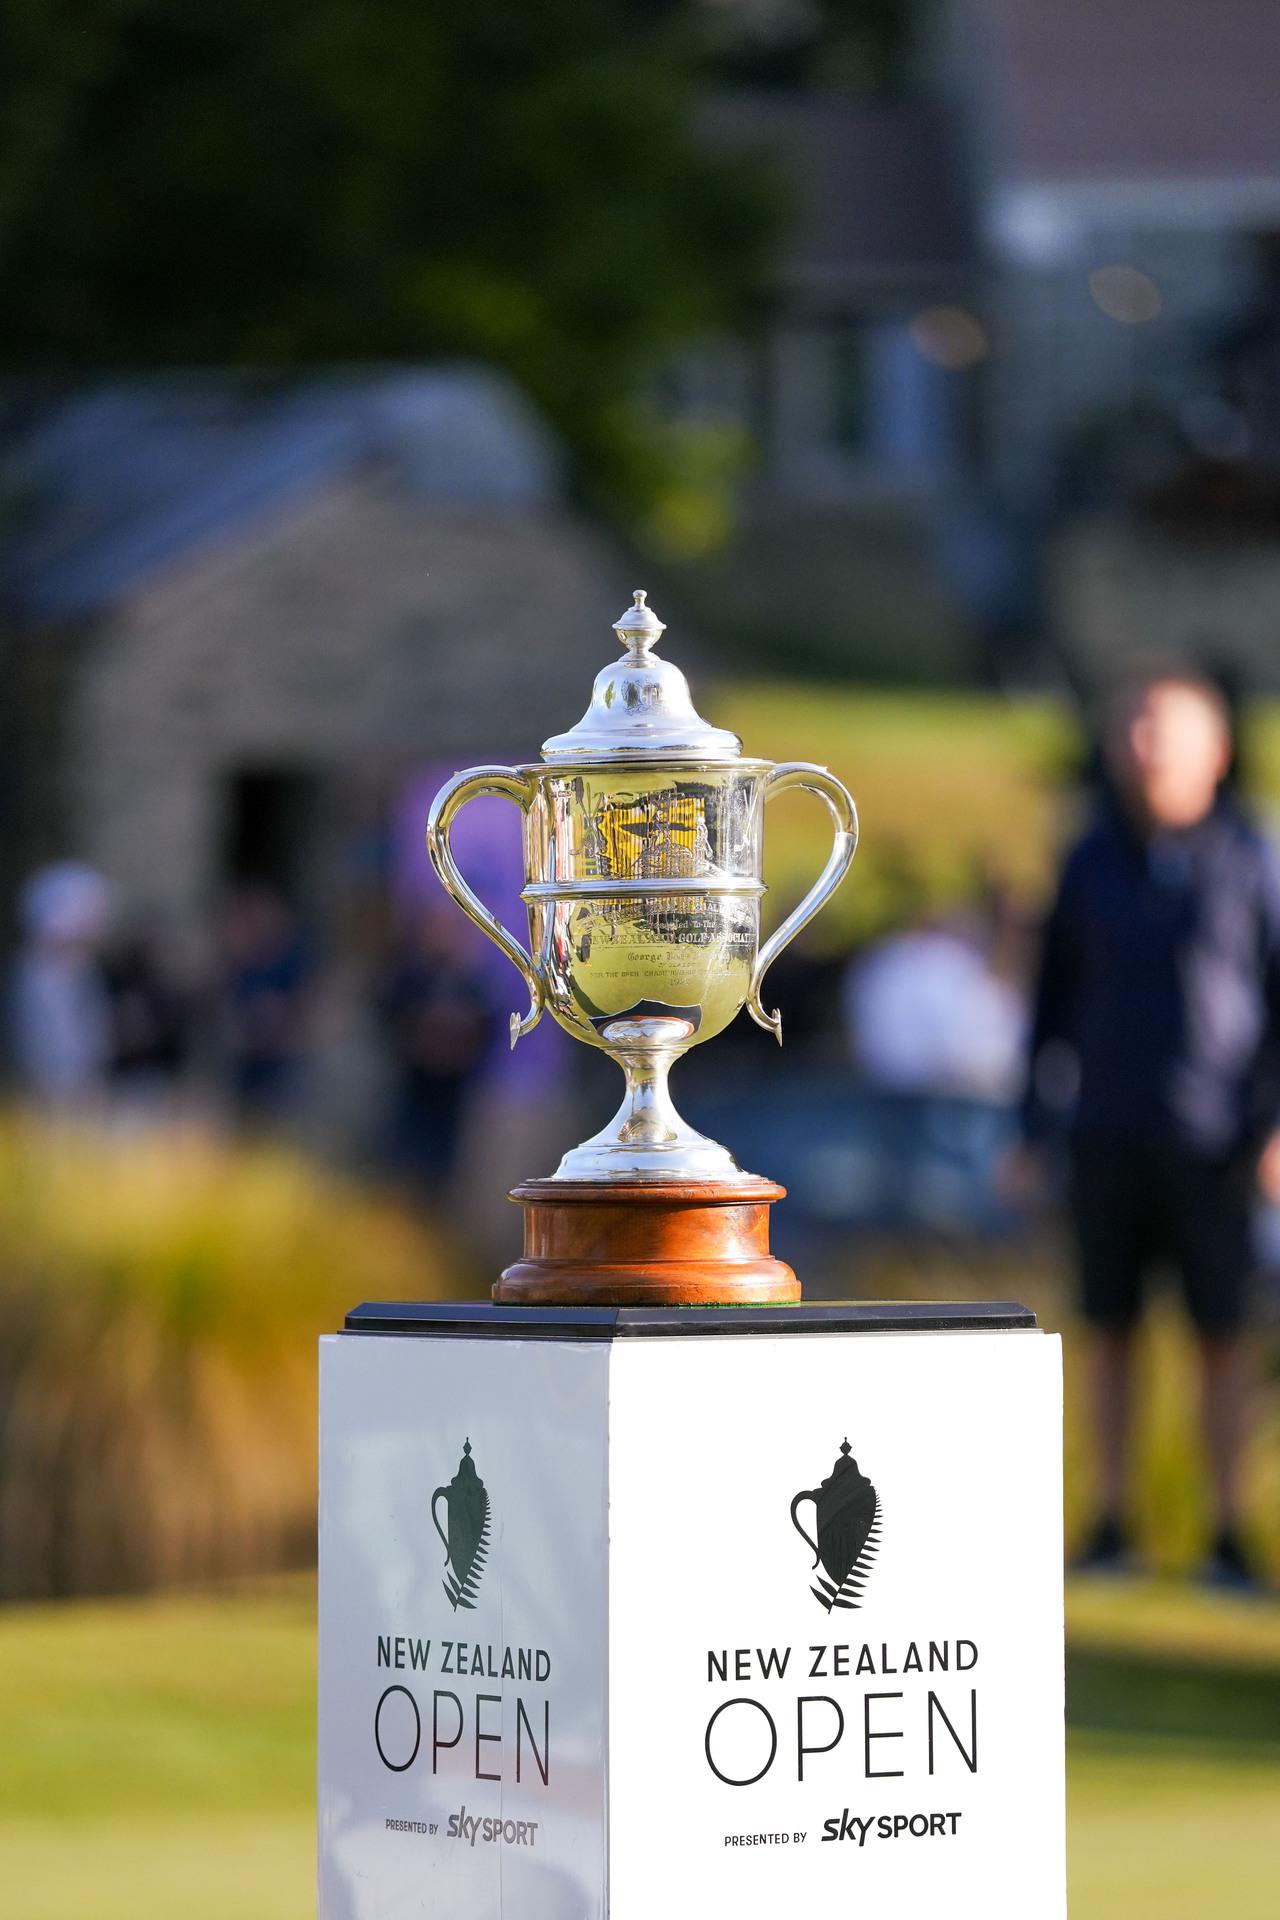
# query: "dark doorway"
[271,818]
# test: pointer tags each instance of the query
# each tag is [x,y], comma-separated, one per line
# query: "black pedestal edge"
[483,1319]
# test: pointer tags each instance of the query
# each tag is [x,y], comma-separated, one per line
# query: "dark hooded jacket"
[1160,982]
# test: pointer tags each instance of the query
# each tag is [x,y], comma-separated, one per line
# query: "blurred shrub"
[160,1299]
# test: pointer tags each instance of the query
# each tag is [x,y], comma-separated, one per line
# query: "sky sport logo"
[466,1544]
[473,1828]
[847,1525]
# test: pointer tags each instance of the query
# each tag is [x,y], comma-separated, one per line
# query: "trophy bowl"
[643,845]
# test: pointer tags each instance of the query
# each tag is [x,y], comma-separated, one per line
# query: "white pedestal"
[610,1679]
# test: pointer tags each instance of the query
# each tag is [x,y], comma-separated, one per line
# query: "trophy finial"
[641,707]
[639,628]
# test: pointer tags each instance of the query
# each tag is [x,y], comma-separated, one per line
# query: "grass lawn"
[1173,1700]
[1166,1834]
[156,1757]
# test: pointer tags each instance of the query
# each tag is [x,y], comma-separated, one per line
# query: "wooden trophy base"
[663,1244]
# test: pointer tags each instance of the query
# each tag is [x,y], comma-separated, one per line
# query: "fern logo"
[466,1544]
[847,1524]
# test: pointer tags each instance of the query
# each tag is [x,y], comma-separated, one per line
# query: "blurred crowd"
[106,1023]
[105,1020]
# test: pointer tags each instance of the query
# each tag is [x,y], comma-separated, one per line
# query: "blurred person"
[148,1020]
[440,1025]
[1159,998]
[268,974]
[58,1004]
[929,1015]
[805,982]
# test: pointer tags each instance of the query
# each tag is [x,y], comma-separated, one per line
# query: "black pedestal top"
[482,1319]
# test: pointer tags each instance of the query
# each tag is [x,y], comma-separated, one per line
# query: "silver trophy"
[643,843]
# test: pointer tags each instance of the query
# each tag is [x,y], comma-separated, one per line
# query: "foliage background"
[162,1296]
[273,187]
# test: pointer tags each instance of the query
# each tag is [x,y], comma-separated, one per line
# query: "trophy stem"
[647,1139]
[647,1116]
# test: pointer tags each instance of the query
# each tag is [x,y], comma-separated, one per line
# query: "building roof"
[120,480]
[875,189]
[1161,90]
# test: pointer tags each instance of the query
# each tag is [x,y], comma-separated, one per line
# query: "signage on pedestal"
[858,1701]
[638,1652]
[462,1630]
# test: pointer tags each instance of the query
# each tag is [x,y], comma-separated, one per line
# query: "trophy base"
[700,1243]
[688,1158]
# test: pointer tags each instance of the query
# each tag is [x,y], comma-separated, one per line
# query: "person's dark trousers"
[1138,1210]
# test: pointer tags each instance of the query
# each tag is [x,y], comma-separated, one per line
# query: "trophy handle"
[797,773]
[452,797]
[799,1529]
[442,1493]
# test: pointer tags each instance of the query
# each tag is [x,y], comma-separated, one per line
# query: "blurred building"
[1125,159]
[239,613]
[845,410]
[1025,321]
[861,438]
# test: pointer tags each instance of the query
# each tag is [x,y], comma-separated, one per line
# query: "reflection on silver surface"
[643,894]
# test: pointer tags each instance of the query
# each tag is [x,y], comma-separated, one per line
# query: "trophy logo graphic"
[847,1524]
[466,1543]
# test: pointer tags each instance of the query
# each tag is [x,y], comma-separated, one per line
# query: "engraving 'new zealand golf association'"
[796,1713]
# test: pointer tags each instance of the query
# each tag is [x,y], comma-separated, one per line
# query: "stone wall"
[351,636]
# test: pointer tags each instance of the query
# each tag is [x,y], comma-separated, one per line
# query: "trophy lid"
[641,707]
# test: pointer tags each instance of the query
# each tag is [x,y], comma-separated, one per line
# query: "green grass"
[1156,1834]
[250,1866]
[158,1707]
[156,1757]
[1173,1700]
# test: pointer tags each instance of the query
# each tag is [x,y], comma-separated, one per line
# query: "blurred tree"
[270,185]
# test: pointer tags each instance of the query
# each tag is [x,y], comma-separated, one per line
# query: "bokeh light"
[1125,294]
[951,337]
